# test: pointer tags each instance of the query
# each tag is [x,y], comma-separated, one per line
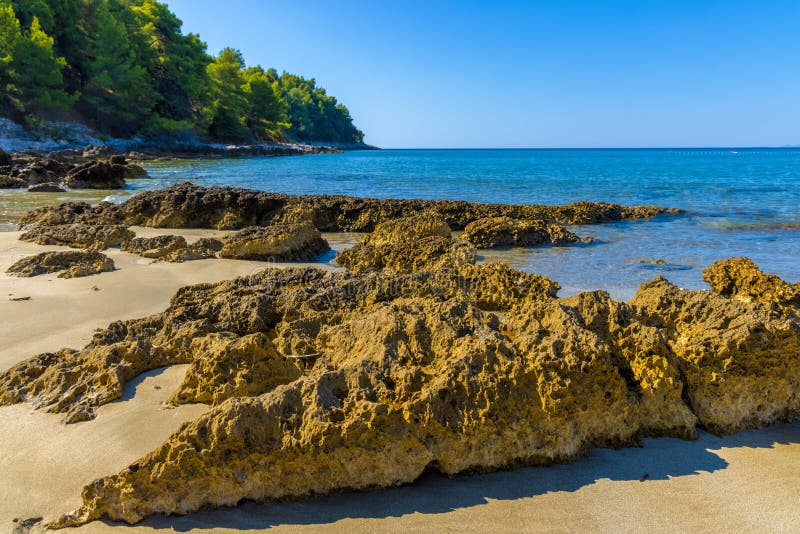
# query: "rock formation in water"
[460,369]
[78,235]
[226,208]
[47,187]
[70,264]
[428,253]
[505,231]
[279,242]
[406,229]
[71,168]
[407,245]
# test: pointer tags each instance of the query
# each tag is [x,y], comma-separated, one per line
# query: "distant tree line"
[125,68]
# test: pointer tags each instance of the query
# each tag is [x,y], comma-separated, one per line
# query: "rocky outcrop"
[173,248]
[229,366]
[740,362]
[97,175]
[47,187]
[5,158]
[742,279]
[407,229]
[226,208]
[505,231]
[280,242]
[407,245]
[459,370]
[428,253]
[159,247]
[70,264]
[93,169]
[97,237]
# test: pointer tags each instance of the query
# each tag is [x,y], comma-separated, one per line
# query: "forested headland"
[125,68]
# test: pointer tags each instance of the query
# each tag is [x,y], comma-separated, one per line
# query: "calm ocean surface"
[737,202]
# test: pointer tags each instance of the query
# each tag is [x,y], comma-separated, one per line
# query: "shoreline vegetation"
[126,70]
[411,356]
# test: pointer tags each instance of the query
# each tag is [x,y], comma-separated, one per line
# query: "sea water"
[737,202]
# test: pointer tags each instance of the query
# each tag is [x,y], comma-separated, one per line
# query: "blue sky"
[533,74]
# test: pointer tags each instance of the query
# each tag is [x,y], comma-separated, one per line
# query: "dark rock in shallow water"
[225,208]
[97,175]
[281,242]
[73,264]
[47,187]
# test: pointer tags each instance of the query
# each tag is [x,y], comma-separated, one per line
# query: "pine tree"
[267,113]
[118,95]
[230,99]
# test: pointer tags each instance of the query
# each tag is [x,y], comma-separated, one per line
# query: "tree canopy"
[126,68]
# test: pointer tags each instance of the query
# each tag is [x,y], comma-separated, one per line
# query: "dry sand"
[747,482]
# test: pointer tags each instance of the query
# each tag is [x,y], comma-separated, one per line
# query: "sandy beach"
[749,481]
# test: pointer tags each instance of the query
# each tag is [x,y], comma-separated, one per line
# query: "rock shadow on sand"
[433,493]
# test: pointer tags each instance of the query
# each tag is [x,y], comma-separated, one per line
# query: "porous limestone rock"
[740,361]
[227,208]
[90,236]
[280,242]
[505,231]
[158,247]
[228,366]
[462,369]
[742,279]
[406,229]
[428,253]
[71,264]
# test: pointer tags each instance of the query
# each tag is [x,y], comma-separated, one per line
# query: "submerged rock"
[505,231]
[280,242]
[89,236]
[72,264]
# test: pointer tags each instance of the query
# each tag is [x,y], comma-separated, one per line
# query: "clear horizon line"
[698,147]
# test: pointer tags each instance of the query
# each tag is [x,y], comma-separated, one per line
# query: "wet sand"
[747,482]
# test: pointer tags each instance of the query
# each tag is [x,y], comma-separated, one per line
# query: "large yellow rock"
[462,369]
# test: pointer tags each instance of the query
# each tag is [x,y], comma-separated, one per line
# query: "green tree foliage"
[230,102]
[267,114]
[33,84]
[118,93]
[126,68]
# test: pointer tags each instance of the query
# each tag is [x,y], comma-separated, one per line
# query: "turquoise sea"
[737,201]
